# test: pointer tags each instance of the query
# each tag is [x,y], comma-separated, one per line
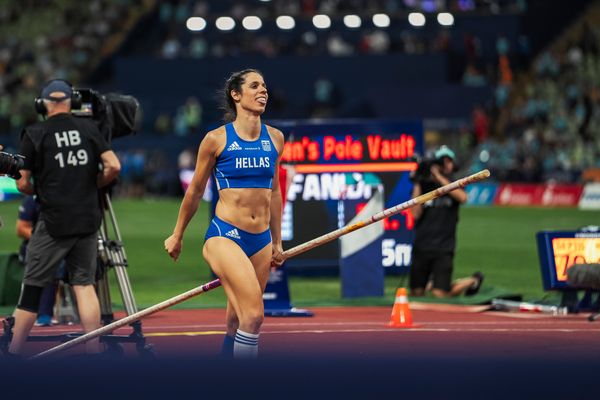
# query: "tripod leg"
[125,287]
[65,307]
[118,260]
[106,312]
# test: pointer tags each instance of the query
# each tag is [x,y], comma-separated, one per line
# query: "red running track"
[361,332]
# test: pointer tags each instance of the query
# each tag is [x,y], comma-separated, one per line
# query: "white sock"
[245,345]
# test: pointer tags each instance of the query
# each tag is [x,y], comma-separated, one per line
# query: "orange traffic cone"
[401,316]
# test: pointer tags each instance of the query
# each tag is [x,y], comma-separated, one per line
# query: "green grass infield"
[498,241]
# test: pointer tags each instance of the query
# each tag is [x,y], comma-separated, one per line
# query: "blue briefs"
[250,243]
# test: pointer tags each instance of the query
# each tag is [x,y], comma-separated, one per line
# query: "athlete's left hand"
[277,257]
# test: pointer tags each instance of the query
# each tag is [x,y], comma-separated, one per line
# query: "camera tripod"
[111,254]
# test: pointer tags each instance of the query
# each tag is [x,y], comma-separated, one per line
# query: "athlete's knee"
[257,318]
[254,319]
[30,298]
[232,317]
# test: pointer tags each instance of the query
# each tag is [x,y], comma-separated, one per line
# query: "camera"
[423,171]
[10,164]
[115,114]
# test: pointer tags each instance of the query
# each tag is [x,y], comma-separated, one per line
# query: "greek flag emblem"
[266,145]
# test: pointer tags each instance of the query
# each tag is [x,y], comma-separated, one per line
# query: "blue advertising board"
[481,194]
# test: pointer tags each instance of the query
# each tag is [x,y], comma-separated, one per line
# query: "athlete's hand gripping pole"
[286,254]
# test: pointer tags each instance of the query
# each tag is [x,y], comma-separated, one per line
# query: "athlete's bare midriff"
[247,208]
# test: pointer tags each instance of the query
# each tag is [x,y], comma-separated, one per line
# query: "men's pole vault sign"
[335,170]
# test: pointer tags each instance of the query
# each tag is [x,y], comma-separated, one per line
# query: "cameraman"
[62,155]
[435,232]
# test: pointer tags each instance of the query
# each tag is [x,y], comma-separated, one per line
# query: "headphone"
[40,107]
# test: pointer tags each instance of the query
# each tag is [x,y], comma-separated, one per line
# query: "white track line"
[382,330]
[567,325]
[406,330]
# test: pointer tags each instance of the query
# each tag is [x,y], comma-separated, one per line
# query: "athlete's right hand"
[173,246]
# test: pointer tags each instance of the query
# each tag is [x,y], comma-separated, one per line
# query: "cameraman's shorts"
[431,265]
[45,252]
[251,243]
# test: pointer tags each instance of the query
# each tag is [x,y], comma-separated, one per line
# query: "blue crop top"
[246,164]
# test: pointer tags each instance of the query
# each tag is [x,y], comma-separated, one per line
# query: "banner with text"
[334,169]
[549,195]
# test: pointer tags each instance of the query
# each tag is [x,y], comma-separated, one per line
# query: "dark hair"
[234,82]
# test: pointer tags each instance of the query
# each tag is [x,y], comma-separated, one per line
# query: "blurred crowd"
[469,59]
[544,127]
[186,120]
[552,132]
[44,39]
[176,41]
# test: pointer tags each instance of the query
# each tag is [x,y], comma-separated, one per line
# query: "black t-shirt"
[63,154]
[436,229]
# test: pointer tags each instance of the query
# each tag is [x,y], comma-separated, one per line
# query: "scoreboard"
[334,168]
[560,250]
